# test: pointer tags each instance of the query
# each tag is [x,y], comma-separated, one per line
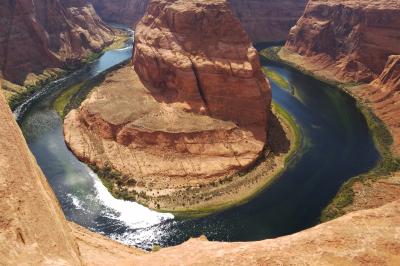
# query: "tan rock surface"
[347,41]
[34,231]
[161,150]
[39,35]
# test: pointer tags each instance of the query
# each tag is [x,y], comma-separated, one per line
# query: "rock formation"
[39,35]
[268,20]
[347,41]
[34,230]
[194,110]
[264,21]
[383,96]
[127,12]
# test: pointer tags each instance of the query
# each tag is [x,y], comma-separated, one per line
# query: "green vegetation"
[386,165]
[72,97]
[18,94]
[277,78]
[64,99]
[381,135]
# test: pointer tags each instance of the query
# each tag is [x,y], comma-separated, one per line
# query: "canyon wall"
[264,20]
[185,57]
[383,96]
[268,20]
[194,110]
[127,12]
[347,41]
[40,35]
[35,232]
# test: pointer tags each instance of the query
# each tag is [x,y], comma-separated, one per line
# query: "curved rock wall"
[36,35]
[349,41]
[183,56]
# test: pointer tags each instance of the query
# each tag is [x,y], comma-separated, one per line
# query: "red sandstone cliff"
[198,53]
[193,112]
[264,21]
[383,96]
[38,35]
[348,41]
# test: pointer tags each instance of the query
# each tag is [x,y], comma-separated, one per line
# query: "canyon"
[185,85]
[34,230]
[264,21]
[354,45]
[184,137]
[345,41]
[48,36]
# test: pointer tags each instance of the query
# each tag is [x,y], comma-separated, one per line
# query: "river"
[336,146]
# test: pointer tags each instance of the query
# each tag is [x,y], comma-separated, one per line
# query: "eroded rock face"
[127,12]
[36,35]
[348,41]
[193,111]
[196,52]
[264,21]
[383,95]
[268,20]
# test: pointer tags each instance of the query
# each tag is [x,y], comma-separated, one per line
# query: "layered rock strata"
[34,230]
[346,41]
[268,21]
[194,110]
[264,21]
[40,37]
[383,96]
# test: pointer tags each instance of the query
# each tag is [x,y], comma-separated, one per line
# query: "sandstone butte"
[193,111]
[39,37]
[34,231]
[264,21]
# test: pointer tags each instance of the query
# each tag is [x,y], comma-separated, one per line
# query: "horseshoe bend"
[183,145]
[190,114]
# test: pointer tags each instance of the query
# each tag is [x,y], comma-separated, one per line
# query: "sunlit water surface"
[336,145]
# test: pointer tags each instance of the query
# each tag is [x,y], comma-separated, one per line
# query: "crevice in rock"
[198,82]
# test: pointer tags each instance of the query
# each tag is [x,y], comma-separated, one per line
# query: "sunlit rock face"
[193,109]
[197,52]
[40,34]
[349,41]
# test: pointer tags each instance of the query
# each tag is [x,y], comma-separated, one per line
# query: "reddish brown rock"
[193,112]
[383,96]
[268,21]
[182,56]
[347,41]
[37,35]
[264,21]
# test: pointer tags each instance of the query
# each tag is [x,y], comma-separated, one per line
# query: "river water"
[336,146]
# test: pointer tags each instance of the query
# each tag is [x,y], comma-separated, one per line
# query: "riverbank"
[181,194]
[207,196]
[17,94]
[354,190]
